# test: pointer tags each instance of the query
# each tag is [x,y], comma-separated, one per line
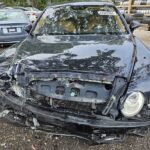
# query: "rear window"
[13,16]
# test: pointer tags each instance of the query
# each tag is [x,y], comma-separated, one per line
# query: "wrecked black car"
[81,70]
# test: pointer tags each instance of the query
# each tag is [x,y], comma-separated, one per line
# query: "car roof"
[19,7]
[85,3]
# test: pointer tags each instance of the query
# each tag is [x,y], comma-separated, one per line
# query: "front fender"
[140,80]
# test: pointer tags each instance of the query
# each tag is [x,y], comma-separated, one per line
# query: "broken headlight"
[133,104]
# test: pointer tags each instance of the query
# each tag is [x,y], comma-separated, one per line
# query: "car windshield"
[80,20]
[13,16]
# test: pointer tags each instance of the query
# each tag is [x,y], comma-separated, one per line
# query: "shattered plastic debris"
[4,113]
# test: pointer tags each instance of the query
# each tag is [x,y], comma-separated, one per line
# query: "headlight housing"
[133,104]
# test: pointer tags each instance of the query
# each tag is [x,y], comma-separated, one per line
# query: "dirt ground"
[144,36]
[19,138]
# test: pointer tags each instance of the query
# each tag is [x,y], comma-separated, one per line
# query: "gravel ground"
[19,138]
[144,36]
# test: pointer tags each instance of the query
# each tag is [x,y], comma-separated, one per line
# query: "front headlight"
[133,104]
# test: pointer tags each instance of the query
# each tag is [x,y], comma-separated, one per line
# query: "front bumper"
[51,116]
[98,130]
[10,39]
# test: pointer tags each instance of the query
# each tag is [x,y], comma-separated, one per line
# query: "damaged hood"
[104,54]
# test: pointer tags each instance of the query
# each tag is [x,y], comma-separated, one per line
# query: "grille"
[77,107]
[71,106]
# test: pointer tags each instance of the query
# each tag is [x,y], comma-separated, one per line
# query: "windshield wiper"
[70,33]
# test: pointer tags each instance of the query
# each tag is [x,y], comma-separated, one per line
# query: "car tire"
[138,18]
[149,27]
[146,20]
[138,15]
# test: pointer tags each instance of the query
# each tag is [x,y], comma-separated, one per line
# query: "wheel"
[138,15]
[146,20]
[149,27]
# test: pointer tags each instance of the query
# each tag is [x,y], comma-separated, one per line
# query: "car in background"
[81,70]
[12,23]
[32,12]
[2,5]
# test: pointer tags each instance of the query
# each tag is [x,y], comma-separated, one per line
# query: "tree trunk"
[34,3]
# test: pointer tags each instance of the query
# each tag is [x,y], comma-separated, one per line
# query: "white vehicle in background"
[32,12]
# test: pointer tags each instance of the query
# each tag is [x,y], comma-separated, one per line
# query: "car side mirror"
[133,25]
[127,17]
[28,28]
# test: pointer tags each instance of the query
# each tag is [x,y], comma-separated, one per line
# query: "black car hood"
[106,54]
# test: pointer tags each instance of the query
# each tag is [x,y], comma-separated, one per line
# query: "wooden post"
[33,3]
[129,7]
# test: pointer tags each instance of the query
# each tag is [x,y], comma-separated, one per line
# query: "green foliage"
[14,2]
[41,4]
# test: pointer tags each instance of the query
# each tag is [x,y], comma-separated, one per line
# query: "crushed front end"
[84,104]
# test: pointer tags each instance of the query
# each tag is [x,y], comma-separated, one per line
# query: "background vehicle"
[32,12]
[80,69]
[12,23]
[2,5]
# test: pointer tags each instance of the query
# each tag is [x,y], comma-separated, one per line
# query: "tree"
[34,3]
